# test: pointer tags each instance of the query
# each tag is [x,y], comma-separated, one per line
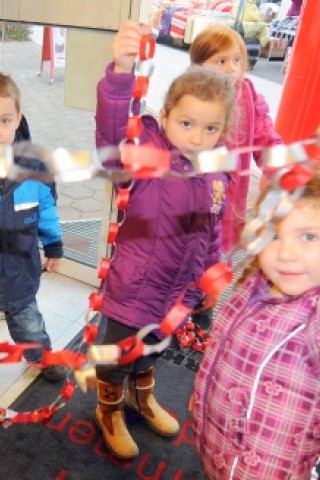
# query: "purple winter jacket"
[172,228]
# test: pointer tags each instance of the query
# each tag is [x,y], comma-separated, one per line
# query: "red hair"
[216,39]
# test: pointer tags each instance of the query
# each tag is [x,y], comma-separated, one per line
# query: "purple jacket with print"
[254,127]
[257,389]
[172,228]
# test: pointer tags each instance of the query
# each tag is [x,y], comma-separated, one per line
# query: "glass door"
[83,206]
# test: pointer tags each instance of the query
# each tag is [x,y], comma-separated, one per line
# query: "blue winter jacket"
[28,213]
[172,227]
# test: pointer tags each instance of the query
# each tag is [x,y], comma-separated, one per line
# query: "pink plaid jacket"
[257,390]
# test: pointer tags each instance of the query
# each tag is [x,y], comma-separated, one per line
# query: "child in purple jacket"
[257,391]
[172,228]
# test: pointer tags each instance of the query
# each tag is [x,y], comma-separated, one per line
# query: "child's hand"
[51,264]
[126,45]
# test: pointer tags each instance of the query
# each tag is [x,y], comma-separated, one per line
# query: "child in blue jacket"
[28,213]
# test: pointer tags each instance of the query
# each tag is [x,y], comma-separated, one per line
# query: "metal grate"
[81,241]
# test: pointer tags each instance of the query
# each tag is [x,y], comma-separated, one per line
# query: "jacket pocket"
[125,279]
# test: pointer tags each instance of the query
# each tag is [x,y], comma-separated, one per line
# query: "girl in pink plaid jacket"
[257,391]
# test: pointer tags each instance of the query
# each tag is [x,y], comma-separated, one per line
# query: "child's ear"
[19,117]
[163,118]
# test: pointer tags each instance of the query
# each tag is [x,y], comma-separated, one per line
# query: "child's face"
[9,120]
[291,260]
[194,125]
[227,62]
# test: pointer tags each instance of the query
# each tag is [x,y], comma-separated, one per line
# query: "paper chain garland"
[289,168]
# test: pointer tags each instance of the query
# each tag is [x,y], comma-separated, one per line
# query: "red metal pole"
[299,110]
[48,50]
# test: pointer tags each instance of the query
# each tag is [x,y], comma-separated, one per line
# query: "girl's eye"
[308,236]
[275,236]
[211,129]
[185,124]
[6,121]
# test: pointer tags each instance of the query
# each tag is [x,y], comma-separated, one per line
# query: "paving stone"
[88,205]
[78,192]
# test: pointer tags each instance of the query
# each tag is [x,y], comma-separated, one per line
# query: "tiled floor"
[63,303]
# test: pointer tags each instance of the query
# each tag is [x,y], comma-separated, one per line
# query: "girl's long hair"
[215,39]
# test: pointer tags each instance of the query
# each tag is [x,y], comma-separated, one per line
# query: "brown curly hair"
[205,84]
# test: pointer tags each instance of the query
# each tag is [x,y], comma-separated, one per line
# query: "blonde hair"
[216,39]
[9,89]
[310,196]
[204,84]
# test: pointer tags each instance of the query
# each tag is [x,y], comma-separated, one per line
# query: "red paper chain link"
[145,162]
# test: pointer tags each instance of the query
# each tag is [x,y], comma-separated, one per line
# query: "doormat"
[70,446]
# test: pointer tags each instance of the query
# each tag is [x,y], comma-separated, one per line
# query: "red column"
[299,110]
[47,54]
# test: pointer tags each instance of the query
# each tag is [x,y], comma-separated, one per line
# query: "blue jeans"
[27,326]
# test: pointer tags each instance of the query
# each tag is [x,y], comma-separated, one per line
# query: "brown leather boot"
[139,396]
[110,418]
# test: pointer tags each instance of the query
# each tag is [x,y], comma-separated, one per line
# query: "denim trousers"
[27,326]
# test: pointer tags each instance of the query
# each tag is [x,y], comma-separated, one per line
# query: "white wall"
[285,4]
[37,34]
